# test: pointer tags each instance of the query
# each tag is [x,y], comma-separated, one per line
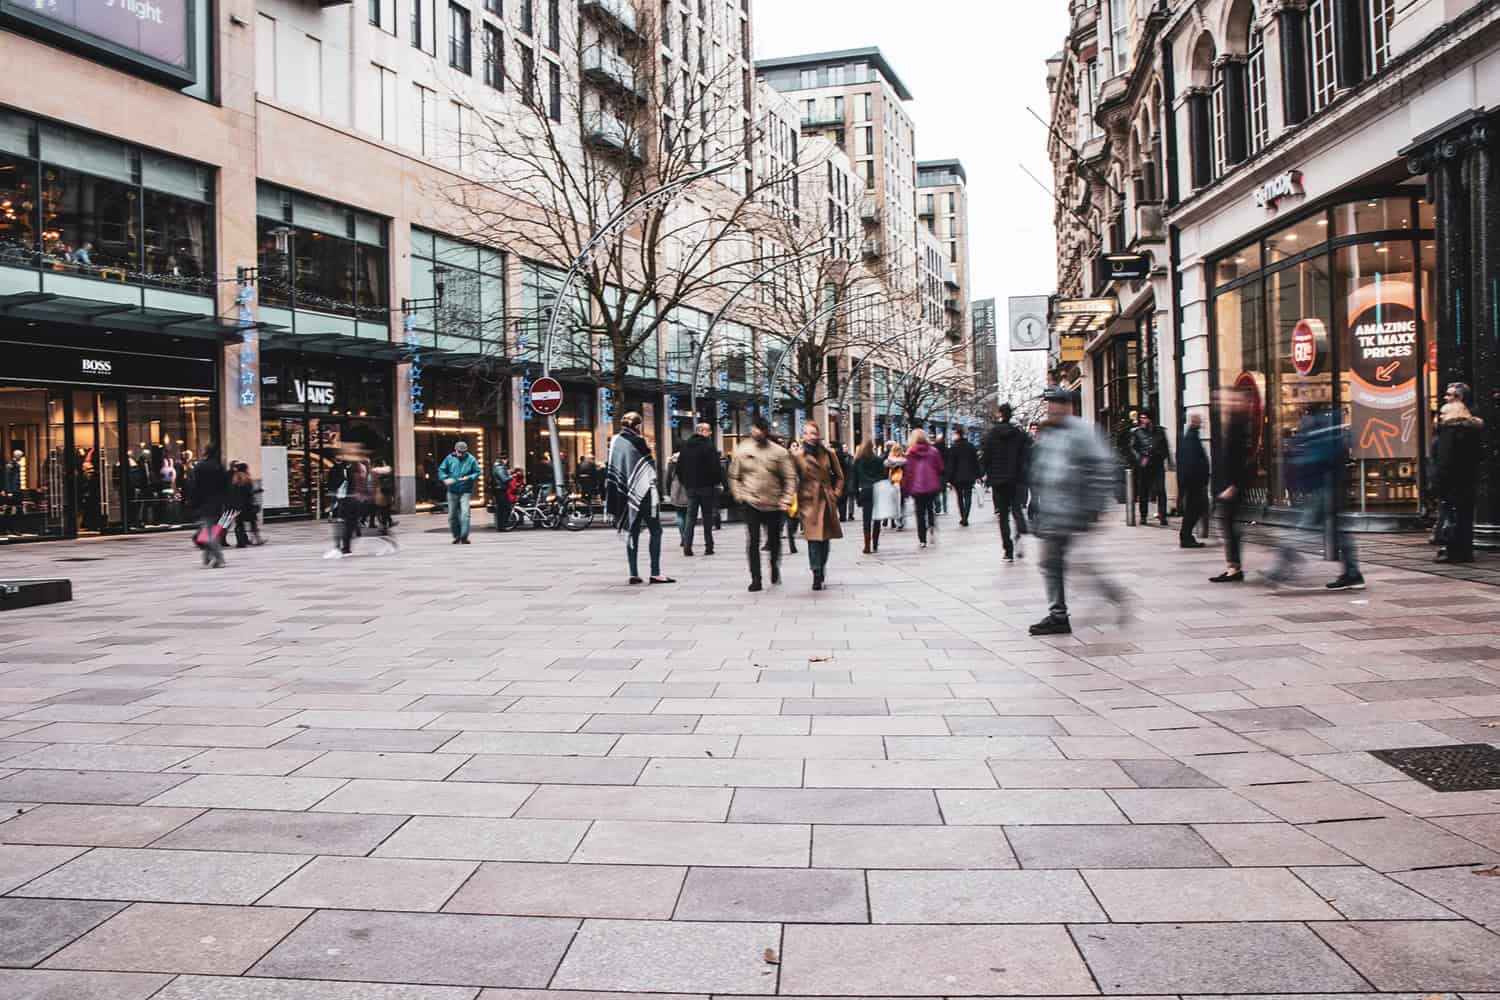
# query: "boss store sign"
[54,364]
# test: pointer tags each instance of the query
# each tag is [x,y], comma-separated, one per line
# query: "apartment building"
[943,207]
[1298,199]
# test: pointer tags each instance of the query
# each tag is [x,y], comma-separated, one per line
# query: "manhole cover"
[1470,767]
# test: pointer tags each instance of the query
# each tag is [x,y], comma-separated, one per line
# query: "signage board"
[1383,369]
[273,477]
[1028,322]
[1309,345]
[1287,184]
[546,396]
[32,362]
[152,36]
[1123,266]
[1070,348]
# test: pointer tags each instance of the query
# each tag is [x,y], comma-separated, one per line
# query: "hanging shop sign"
[1123,267]
[1028,322]
[1287,184]
[1309,345]
[1383,370]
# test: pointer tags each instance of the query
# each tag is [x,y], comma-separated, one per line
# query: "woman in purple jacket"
[923,481]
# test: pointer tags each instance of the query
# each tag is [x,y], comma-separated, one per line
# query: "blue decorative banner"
[526,411]
[607,405]
[414,358]
[245,298]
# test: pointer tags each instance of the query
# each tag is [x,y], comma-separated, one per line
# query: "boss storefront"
[100,440]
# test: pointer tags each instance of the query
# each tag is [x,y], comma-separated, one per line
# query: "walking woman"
[820,479]
[895,463]
[868,470]
[923,482]
[631,497]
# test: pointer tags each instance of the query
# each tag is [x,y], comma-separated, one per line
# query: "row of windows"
[423,31]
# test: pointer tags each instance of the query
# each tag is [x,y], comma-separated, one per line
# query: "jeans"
[770,521]
[926,514]
[1193,504]
[1318,508]
[1008,505]
[699,500]
[965,501]
[817,556]
[458,514]
[1054,569]
[1151,482]
[651,521]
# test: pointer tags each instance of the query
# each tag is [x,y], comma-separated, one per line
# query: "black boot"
[1052,625]
[817,579]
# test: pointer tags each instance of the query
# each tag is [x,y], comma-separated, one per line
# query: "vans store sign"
[1283,185]
[313,393]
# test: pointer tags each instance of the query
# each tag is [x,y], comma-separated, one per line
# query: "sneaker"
[333,554]
[1348,581]
[1052,625]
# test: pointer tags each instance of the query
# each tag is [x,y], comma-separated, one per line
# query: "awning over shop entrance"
[45,307]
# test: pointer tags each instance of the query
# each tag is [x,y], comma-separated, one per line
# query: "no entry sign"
[546,396]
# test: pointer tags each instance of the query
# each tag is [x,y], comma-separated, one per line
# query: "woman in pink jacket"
[923,481]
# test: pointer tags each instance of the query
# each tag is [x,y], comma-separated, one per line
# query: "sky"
[973,67]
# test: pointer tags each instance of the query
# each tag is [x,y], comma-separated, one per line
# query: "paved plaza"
[498,772]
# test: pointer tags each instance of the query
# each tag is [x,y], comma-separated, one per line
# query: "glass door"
[97,474]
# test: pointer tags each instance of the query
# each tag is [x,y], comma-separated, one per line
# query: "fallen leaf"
[771,957]
[819,659]
[1492,872]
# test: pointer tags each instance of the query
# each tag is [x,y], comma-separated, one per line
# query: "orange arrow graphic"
[1377,435]
[1384,372]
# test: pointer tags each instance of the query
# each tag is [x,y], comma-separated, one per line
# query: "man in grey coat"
[1070,476]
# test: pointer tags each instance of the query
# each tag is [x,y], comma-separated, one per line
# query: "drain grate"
[1469,767]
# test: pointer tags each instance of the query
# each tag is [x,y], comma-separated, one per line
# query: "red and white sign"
[1309,341]
[546,396]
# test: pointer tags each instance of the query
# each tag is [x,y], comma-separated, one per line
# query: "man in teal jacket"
[459,472]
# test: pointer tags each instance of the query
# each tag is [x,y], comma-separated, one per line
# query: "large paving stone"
[1460,890]
[441,949]
[834,805]
[1400,843]
[371,884]
[52,984]
[643,956]
[1257,844]
[570,890]
[1205,894]
[244,988]
[21,863]
[1362,894]
[981,897]
[238,791]
[122,788]
[1418,955]
[32,929]
[1212,958]
[787,895]
[733,845]
[1188,805]
[551,770]
[636,803]
[167,876]
[888,961]
[94,826]
[1028,806]
[1121,846]
[427,798]
[278,832]
[166,937]
[924,847]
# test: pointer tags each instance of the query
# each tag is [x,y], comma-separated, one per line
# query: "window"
[868,100]
[426,124]
[687,27]
[554,91]
[374,14]
[424,26]
[494,57]
[1382,16]
[528,74]
[1220,126]
[809,79]
[554,24]
[835,76]
[496,7]
[1321,53]
[869,175]
[334,258]
[1255,92]
[387,79]
[1119,28]
[459,56]
[528,24]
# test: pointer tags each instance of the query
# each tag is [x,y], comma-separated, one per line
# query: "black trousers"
[699,500]
[1007,505]
[1460,546]
[965,500]
[1229,511]
[350,513]
[1194,503]
[1151,482]
[769,521]
[926,504]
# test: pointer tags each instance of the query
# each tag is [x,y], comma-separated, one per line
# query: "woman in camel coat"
[820,480]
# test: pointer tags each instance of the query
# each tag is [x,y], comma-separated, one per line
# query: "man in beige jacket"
[763,479]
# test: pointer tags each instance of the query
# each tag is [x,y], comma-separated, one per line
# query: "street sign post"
[546,396]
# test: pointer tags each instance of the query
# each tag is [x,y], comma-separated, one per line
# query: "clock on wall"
[1028,333]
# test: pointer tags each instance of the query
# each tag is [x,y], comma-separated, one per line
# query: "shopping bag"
[886,501]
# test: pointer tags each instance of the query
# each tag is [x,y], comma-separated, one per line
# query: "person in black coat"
[849,495]
[1232,476]
[1003,460]
[1192,481]
[1458,450]
[963,471]
[209,495]
[700,473]
[1150,458]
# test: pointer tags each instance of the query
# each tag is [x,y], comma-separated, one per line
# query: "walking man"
[700,473]
[459,472]
[963,470]
[209,492]
[1070,477]
[1004,459]
[1234,474]
[1148,449]
[1458,450]
[1192,481]
[763,478]
[1316,463]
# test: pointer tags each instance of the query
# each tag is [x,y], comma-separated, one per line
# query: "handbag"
[885,501]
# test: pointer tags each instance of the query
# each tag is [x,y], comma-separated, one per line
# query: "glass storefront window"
[1240,324]
[320,257]
[176,240]
[18,234]
[1237,264]
[1373,215]
[89,224]
[1297,238]
[1296,295]
[471,318]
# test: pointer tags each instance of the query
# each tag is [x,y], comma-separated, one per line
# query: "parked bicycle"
[543,507]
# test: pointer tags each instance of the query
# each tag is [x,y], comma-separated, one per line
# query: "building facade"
[1313,186]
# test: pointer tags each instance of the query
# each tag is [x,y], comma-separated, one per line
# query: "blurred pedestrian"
[1233,472]
[1152,457]
[699,470]
[820,480]
[1192,481]
[1004,459]
[500,483]
[895,464]
[209,494]
[1458,450]
[923,482]
[383,498]
[632,498]
[243,495]
[940,442]
[763,477]
[963,472]
[1312,469]
[587,475]
[866,473]
[847,497]
[459,472]
[1070,476]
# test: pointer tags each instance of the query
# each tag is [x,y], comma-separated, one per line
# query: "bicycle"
[539,511]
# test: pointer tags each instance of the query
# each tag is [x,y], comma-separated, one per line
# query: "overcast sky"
[973,67]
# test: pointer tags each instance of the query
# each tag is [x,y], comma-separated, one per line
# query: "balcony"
[926,211]
[1148,225]
[607,132]
[869,210]
[871,249]
[825,114]
[618,13]
[611,72]
[953,305]
[950,276]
